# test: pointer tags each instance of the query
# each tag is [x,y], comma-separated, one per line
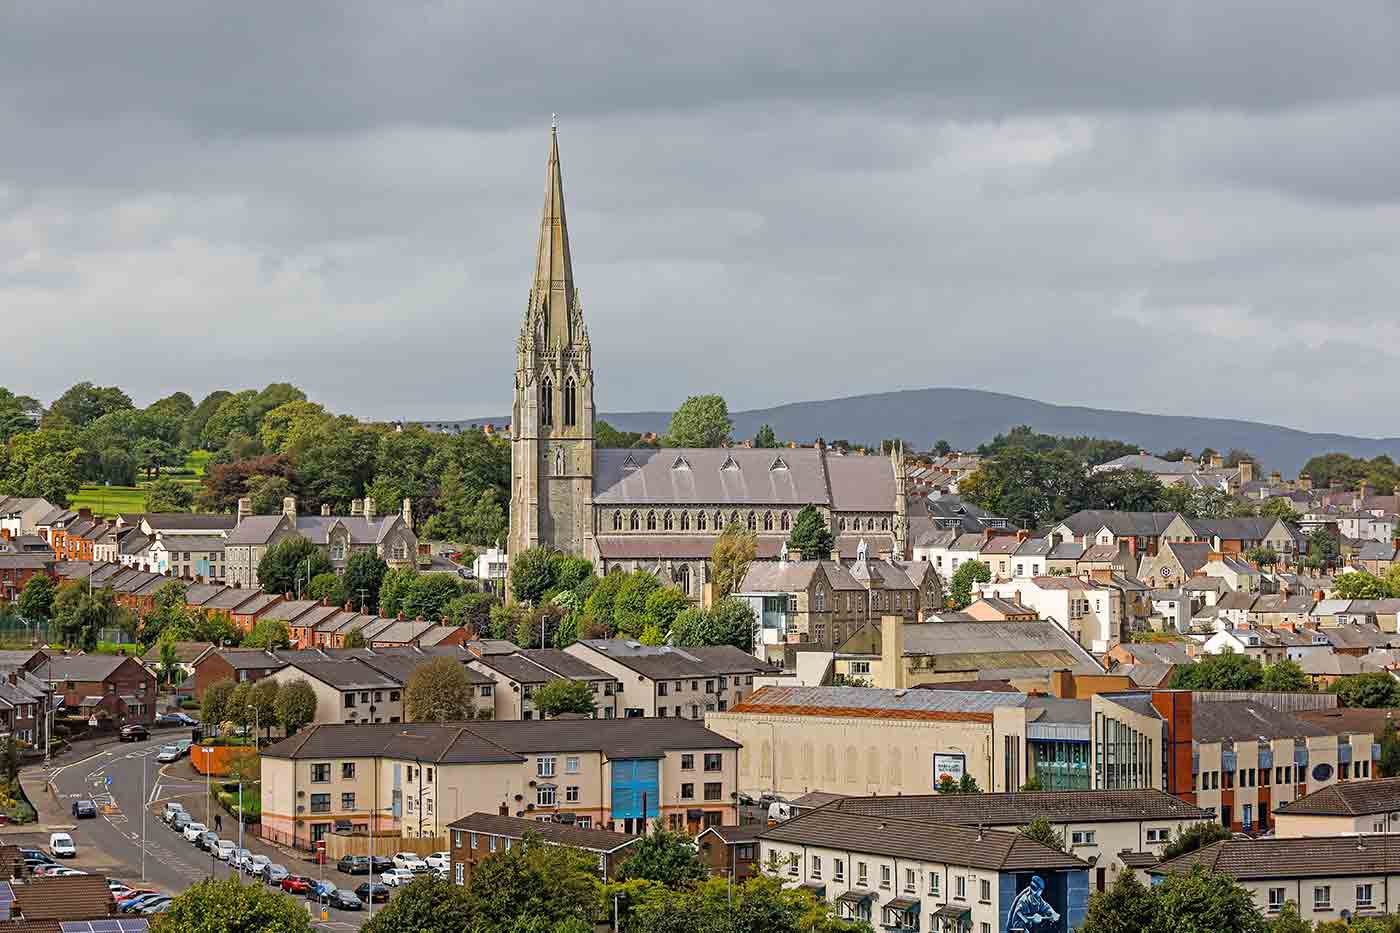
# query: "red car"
[134,893]
[296,884]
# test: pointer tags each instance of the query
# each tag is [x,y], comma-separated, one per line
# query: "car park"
[168,753]
[40,854]
[135,893]
[276,874]
[192,831]
[378,863]
[66,872]
[84,810]
[366,891]
[134,733]
[117,888]
[410,861]
[396,877]
[296,884]
[62,845]
[439,861]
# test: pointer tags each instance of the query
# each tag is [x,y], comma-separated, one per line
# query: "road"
[125,781]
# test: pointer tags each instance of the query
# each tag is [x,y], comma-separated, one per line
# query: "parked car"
[40,854]
[396,877]
[225,849]
[130,905]
[184,718]
[184,745]
[256,864]
[207,841]
[439,861]
[365,891]
[171,809]
[117,889]
[43,871]
[62,845]
[192,831]
[180,820]
[353,865]
[296,884]
[158,907]
[168,753]
[134,733]
[319,889]
[84,810]
[411,861]
[135,893]
[66,872]
[276,874]
[343,900]
[380,863]
[239,859]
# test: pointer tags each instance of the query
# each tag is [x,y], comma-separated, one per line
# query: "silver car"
[275,873]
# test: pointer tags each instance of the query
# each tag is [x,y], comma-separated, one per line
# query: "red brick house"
[117,684]
[16,569]
[481,835]
[730,850]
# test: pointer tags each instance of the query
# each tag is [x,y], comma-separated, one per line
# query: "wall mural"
[1038,907]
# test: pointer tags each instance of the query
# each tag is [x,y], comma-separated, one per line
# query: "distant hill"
[968,417]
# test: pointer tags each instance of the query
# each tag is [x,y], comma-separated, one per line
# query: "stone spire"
[553,289]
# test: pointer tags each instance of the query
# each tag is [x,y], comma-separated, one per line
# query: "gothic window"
[786,522]
[719,521]
[700,521]
[767,521]
[636,522]
[546,402]
[570,402]
[685,521]
[666,522]
[884,524]
[752,522]
[651,521]
[617,521]
[843,524]
[683,579]
[733,518]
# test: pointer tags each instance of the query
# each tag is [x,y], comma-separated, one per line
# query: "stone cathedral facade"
[660,510]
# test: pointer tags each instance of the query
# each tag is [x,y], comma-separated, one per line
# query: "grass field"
[107,501]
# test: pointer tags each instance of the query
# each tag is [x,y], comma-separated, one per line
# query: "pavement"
[128,841]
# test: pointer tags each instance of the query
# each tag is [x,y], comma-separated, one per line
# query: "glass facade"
[1061,765]
[1123,756]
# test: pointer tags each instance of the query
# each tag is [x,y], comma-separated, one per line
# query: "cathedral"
[660,510]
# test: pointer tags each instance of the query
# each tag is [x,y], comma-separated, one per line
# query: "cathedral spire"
[554,272]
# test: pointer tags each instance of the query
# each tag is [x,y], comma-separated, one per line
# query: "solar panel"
[106,926]
[141,925]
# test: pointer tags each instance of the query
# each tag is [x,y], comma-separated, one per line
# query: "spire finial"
[554,121]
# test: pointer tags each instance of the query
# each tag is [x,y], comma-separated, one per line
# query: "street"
[125,780]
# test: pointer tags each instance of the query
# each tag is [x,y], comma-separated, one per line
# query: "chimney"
[408,512]
[1062,684]
[357,507]
[85,514]
[891,653]
[1246,471]
[325,508]
[835,554]
[1022,535]
[369,507]
[289,507]
[1276,478]
[245,509]
[1189,460]
[1217,462]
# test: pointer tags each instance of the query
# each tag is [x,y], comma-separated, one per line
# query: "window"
[1085,837]
[694,711]
[687,791]
[911,881]
[544,766]
[1364,896]
[486,690]
[860,667]
[792,864]
[934,883]
[1322,897]
[349,701]
[862,874]
[816,867]
[767,521]
[321,773]
[571,764]
[752,522]
[960,888]
[714,790]
[687,760]
[685,521]
[838,869]
[709,686]
[571,794]
[570,402]
[984,891]
[713,761]
[547,402]
[1276,899]
[617,521]
[347,801]
[347,771]
[885,877]
[461,869]
[635,522]
[1158,835]
[320,803]
[651,521]
[491,843]
[786,522]
[544,795]
[700,521]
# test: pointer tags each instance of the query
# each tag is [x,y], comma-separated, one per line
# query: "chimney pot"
[325,508]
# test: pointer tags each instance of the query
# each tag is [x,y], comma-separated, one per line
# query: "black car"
[40,854]
[381,863]
[344,900]
[135,733]
[354,865]
[84,810]
[379,892]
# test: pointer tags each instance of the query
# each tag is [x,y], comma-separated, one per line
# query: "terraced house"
[338,536]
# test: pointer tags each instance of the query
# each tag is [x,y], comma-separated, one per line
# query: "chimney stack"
[369,508]
[1246,471]
[245,509]
[891,653]
[1217,462]
[289,507]
[1305,482]
[325,508]
[1276,478]
[357,507]
[408,512]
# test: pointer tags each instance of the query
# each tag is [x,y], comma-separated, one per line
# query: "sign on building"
[948,765]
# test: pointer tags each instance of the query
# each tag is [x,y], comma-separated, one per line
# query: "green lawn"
[107,501]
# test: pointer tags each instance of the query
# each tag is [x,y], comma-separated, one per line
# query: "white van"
[62,846]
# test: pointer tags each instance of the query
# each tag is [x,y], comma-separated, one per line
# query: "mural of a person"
[1029,911]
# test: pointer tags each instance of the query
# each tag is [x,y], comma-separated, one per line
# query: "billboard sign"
[948,765]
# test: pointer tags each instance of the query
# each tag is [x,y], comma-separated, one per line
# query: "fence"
[1282,702]
[339,845]
[18,633]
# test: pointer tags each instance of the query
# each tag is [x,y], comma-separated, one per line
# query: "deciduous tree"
[1284,677]
[268,633]
[1043,831]
[364,574]
[36,599]
[291,560]
[701,421]
[1224,671]
[960,588]
[730,557]
[811,535]
[1371,690]
[664,857]
[438,691]
[169,495]
[566,696]
[296,704]
[229,906]
[426,905]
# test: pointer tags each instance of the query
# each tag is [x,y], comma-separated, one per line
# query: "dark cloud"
[1191,209]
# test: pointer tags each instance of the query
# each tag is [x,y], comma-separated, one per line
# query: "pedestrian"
[218,822]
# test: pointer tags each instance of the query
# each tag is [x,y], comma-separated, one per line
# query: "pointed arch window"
[667,523]
[617,521]
[636,522]
[767,521]
[700,521]
[651,521]
[719,521]
[884,524]
[843,524]
[546,402]
[786,522]
[752,522]
[685,521]
[683,579]
[733,518]
[570,402]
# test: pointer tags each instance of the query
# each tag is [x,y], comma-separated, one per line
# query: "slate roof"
[166,521]
[1305,857]
[192,543]
[1358,798]
[564,664]
[997,645]
[1144,524]
[1067,550]
[675,547]
[667,663]
[185,652]
[346,674]
[681,476]
[994,850]
[861,484]
[81,667]
[1018,809]
[1149,463]
[1192,555]
[1246,719]
[779,576]
[592,840]
[875,703]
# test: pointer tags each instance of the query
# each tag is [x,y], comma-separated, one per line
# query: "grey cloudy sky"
[1187,207]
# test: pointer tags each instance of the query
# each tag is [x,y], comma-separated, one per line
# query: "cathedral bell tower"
[551,449]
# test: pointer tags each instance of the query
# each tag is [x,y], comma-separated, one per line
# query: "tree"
[630,609]
[81,615]
[1371,690]
[1262,556]
[268,633]
[730,557]
[262,697]
[396,589]
[1323,546]
[154,455]
[729,621]
[967,784]
[36,599]
[240,705]
[327,588]
[1281,508]
[1202,901]
[85,403]
[364,574]
[942,448]
[438,691]
[169,495]
[170,673]
[116,467]
[1224,671]
[1125,490]
[229,906]
[1043,831]
[1357,584]
[46,463]
[1284,677]
[765,438]
[214,705]
[531,574]
[1288,921]
[296,704]
[534,888]
[1390,754]
[811,535]
[291,560]
[664,857]
[701,421]
[663,605]
[1126,907]
[426,905]
[430,595]
[565,696]
[960,589]
[1196,836]
[268,493]
[226,483]
[355,638]
[759,905]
